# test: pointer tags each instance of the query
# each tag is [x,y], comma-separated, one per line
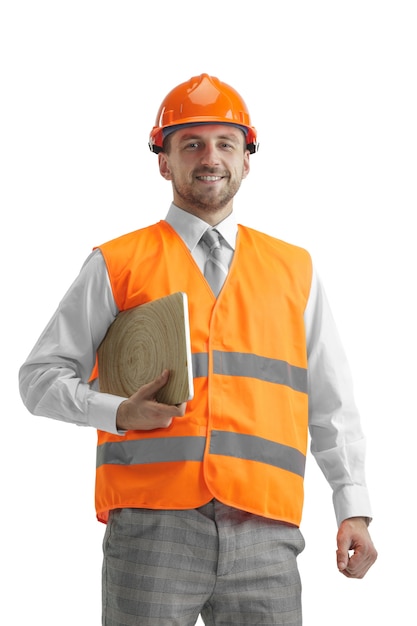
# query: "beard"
[209,199]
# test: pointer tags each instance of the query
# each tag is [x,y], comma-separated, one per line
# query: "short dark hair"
[166,144]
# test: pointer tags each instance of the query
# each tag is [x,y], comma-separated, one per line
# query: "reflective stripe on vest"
[164,450]
[262,368]
[252,366]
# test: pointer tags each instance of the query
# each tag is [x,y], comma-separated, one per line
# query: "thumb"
[149,390]
[342,554]
[342,560]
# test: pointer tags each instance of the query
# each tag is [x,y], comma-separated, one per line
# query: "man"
[203,500]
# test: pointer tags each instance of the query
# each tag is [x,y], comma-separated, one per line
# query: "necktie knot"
[212,238]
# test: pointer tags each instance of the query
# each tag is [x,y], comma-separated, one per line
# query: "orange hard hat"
[203,99]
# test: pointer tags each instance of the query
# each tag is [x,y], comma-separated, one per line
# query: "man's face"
[206,165]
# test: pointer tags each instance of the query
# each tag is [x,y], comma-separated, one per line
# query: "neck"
[211,216]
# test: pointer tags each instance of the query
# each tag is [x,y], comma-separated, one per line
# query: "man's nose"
[210,155]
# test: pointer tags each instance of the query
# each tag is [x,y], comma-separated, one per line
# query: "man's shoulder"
[270,240]
[133,236]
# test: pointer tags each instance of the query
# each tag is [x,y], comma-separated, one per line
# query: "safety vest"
[243,439]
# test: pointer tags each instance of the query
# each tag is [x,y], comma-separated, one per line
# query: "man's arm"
[54,380]
[337,440]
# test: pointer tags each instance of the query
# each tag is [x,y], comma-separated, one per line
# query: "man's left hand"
[355,551]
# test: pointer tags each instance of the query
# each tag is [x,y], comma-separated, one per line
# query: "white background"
[331,87]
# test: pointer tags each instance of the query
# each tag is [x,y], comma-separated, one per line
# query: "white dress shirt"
[52,378]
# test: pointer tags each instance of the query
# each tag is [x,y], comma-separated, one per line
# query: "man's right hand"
[143,412]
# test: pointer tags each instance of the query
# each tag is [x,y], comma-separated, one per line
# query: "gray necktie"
[216,267]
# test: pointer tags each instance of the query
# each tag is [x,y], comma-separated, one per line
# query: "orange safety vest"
[243,439]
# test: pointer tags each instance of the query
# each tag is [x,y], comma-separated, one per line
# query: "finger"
[355,572]
[358,564]
[162,411]
[181,408]
[149,390]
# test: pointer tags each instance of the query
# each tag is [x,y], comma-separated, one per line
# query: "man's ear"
[163,166]
[246,164]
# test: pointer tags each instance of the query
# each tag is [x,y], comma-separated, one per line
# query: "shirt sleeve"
[337,440]
[54,380]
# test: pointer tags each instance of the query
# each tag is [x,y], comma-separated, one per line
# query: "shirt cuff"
[102,410]
[351,501]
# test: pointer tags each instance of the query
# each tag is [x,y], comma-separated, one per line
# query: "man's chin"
[207,203]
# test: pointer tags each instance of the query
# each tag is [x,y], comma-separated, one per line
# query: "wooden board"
[144,341]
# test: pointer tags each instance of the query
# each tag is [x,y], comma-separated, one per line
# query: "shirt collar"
[191,228]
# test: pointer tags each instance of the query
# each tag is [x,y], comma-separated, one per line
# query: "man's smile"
[209,178]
